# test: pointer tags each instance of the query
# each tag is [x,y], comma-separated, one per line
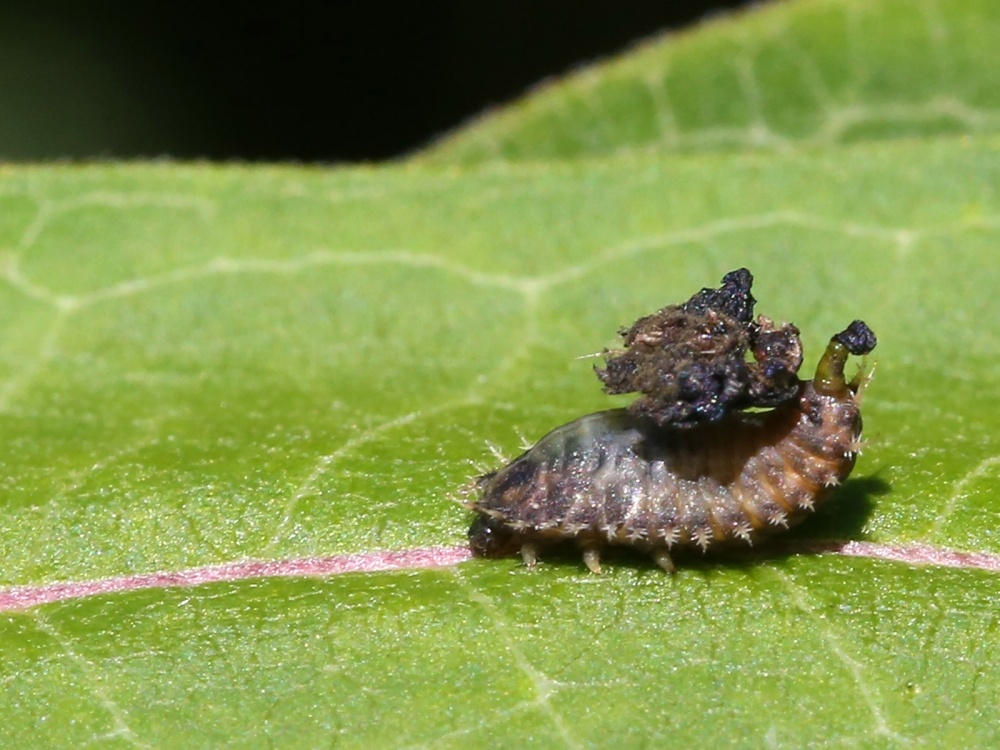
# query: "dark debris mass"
[690,361]
[857,338]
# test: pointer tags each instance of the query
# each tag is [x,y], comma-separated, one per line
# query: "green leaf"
[278,362]
[811,72]
[203,365]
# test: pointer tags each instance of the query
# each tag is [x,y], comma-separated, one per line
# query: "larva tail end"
[856,339]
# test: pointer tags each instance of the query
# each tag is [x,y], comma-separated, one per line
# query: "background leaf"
[200,365]
[810,72]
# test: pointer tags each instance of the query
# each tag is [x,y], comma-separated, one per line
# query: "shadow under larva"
[687,465]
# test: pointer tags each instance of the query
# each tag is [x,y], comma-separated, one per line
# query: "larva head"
[490,537]
[856,339]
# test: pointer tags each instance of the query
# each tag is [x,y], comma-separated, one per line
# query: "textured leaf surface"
[200,365]
[273,363]
[812,72]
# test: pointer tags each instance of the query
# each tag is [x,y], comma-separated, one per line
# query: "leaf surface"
[776,77]
[202,365]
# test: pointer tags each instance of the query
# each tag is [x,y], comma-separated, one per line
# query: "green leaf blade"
[814,73]
[816,651]
[206,365]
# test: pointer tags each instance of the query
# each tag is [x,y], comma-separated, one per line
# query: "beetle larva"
[702,476]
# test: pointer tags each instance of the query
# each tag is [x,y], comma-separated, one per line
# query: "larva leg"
[592,558]
[529,553]
[662,558]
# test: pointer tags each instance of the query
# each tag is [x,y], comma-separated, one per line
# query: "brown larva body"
[616,478]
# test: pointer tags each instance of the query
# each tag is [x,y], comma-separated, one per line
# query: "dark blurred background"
[297,80]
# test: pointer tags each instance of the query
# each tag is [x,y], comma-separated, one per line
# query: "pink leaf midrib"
[23,597]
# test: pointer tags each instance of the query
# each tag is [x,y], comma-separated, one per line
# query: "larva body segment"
[611,478]
[621,478]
